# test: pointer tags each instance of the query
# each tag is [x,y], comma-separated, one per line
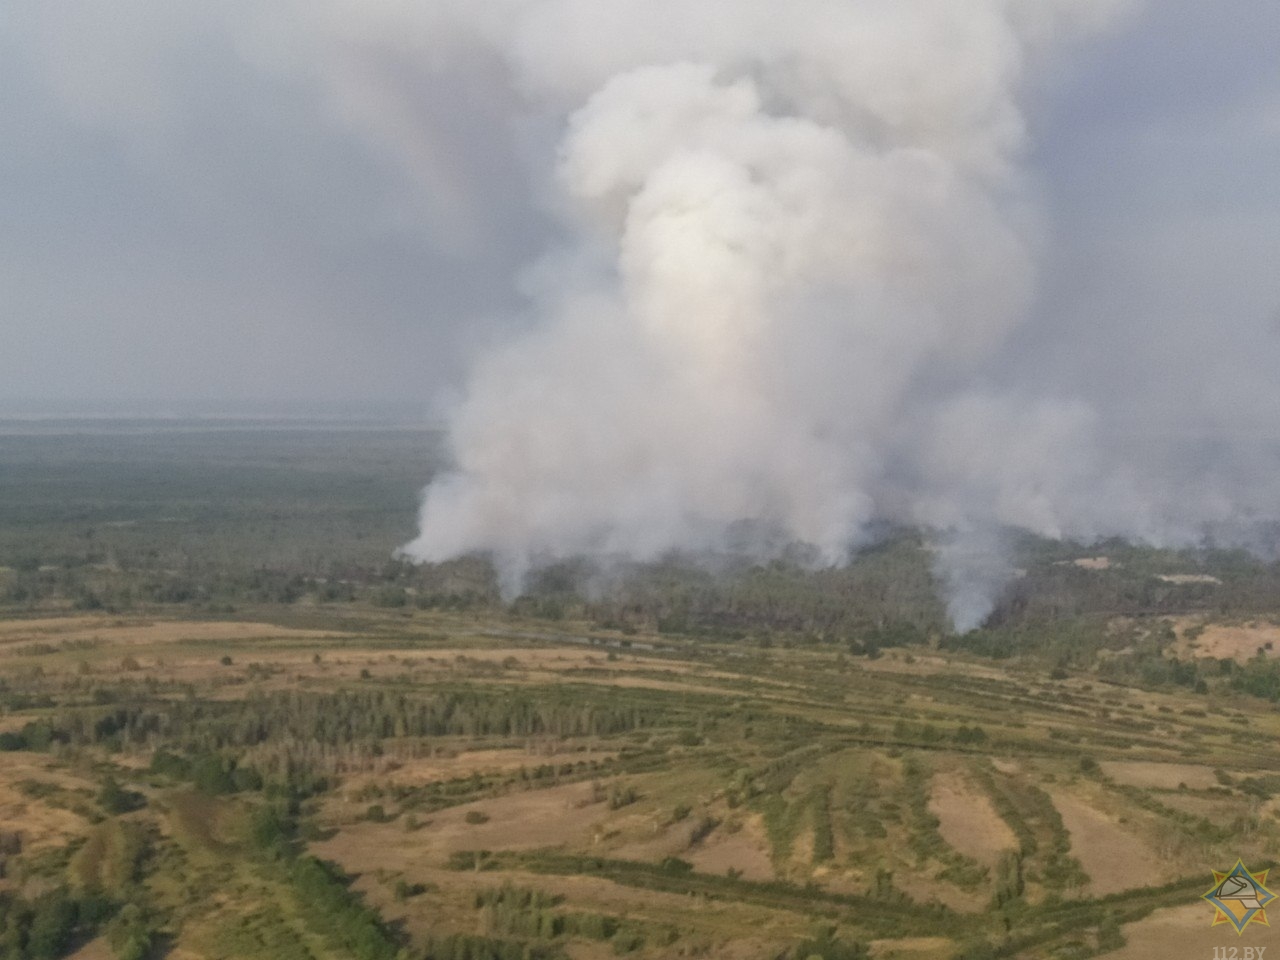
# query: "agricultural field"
[312,751]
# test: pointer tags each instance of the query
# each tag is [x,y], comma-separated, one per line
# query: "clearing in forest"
[967,819]
[743,848]
[115,631]
[1113,856]
[1179,932]
[1239,643]
[1160,776]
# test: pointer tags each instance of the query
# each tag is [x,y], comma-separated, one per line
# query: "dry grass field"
[703,799]
[968,821]
[1238,642]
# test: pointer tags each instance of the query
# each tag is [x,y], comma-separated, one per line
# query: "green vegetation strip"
[876,916]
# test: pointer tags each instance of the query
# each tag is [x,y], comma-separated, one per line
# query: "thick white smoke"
[801,233]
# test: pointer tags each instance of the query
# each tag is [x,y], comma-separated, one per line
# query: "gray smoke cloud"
[801,237]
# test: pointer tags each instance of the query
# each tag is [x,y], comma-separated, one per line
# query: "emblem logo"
[1240,897]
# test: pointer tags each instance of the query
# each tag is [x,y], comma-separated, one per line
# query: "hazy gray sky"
[205,201]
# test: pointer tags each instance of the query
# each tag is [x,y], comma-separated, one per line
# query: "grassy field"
[383,774]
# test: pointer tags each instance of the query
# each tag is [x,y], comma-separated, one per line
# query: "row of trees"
[51,925]
[346,717]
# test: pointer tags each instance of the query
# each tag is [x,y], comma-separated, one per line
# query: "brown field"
[1188,578]
[1162,776]
[531,819]
[745,849]
[1093,563]
[1112,854]
[967,819]
[41,823]
[913,947]
[929,665]
[99,949]
[1212,807]
[697,778]
[1235,642]
[114,631]
[1178,932]
[732,930]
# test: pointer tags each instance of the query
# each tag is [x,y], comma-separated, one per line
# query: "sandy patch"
[115,631]
[1188,578]
[661,842]
[40,824]
[929,665]
[1187,932]
[745,850]
[96,949]
[939,947]
[529,820]
[1163,776]
[1239,643]
[1092,563]
[967,819]
[1216,808]
[1112,855]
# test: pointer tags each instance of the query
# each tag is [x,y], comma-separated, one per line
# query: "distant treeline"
[886,595]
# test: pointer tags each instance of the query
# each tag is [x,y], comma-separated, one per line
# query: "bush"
[114,799]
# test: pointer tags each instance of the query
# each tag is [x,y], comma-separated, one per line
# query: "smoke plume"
[798,240]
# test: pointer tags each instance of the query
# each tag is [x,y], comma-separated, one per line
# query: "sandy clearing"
[116,632]
[532,819]
[738,843]
[645,683]
[915,946]
[1217,808]
[1238,642]
[967,819]
[926,665]
[1113,856]
[25,765]
[656,843]
[1187,931]
[40,824]
[1092,563]
[745,850]
[528,820]
[96,949]
[1164,776]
